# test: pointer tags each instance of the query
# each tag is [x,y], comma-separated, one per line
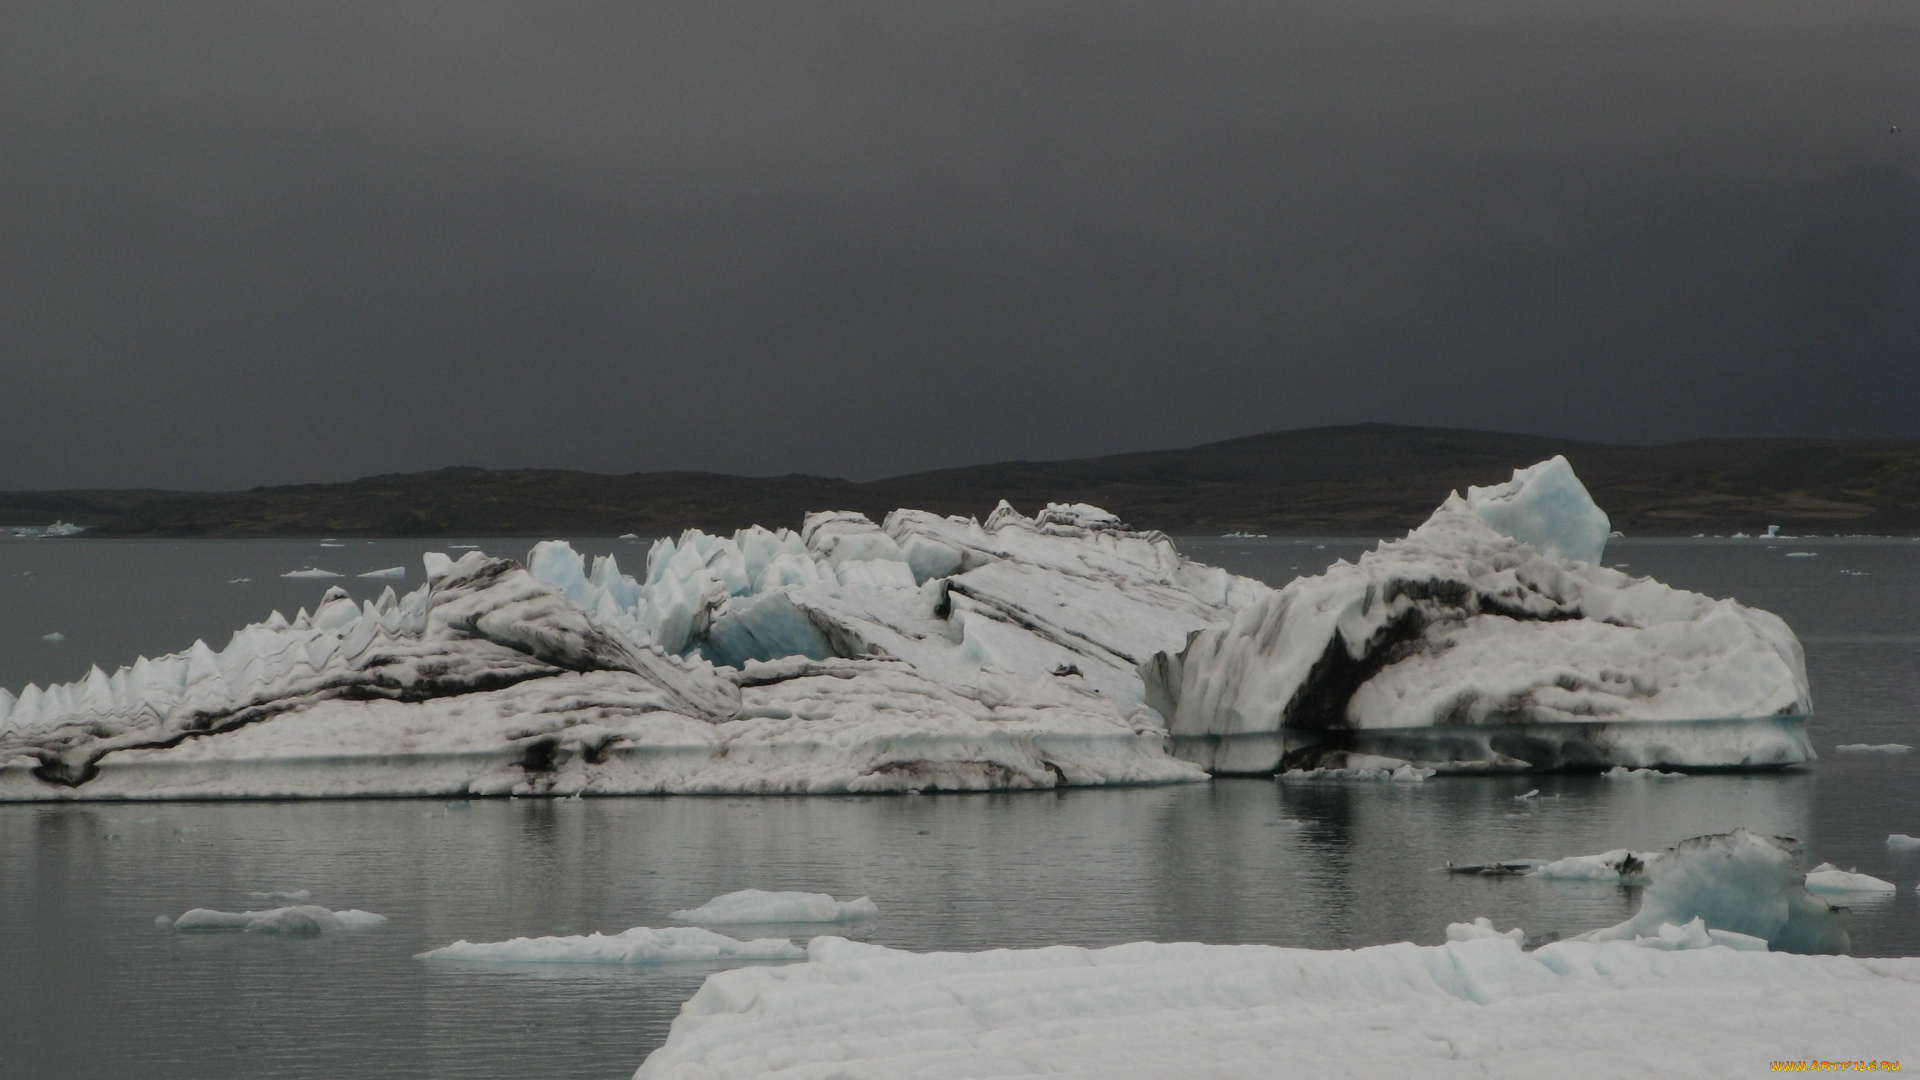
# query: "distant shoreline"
[1363,480]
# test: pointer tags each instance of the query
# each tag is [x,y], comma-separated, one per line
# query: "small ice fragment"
[56,637]
[297,894]
[1481,929]
[629,536]
[310,572]
[1621,772]
[389,572]
[306,920]
[1621,865]
[1528,795]
[239,580]
[162,920]
[760,906]
[1801,554]
[1903,842]
[464,547]
[1872,748]
[1773,531]
[1833,880]
[640,945]
[332,545]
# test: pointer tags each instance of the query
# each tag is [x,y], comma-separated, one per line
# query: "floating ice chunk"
[239,580]
[1697,935]
[1362,767]
[389,572]
[1739,881]
[1620,865]
[56,637]
[310,572]
[162,920]
[303,920]
[1873,748]
[297,894]
[1621,772]
[640,945]
[1903,842]
[1529,795]
[1802,554]
[759,906]
[1547,506]
[1773,531]
[1828,879]
[1481,929]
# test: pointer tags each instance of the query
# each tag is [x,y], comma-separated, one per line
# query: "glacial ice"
[389,572]
[1903,842]
[640,945]
[1829,880]
[1462,648]
[1741,882]
[1620,866]
[310,572]
[1872,748]
[760,906]
[924,653]
[300,920]
[1478,1007]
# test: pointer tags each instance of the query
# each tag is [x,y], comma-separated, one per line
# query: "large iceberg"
[1685,1002]
[1488,638]
[928,653]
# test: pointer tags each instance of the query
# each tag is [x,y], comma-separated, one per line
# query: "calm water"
[89,986]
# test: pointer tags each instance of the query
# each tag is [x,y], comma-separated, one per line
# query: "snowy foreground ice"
[1688,987]
[1469,646]
[934,653]
[1475,1007]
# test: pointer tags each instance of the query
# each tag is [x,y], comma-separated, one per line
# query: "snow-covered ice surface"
[761,906]
[1465,648]
[1474,1007]
[931,653]
[640,945]
[299,920]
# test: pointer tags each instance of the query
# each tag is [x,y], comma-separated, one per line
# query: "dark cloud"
[258,243]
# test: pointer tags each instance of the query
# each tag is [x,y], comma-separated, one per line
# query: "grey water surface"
[90,986]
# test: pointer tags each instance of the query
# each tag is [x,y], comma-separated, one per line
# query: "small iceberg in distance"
[1488,639]
[760,906]
[1829,879]
[640,945]
[301,920]
[311,572]
[389,572]
[1872,748]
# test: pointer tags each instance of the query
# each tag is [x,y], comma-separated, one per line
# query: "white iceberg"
[310,572]
[1477,1007]
[640,945]
[1873,748]
[1463,648]
[301,920]
[389,572]
[55,638]
[928,653]
[1829,880]
[1903,842]
[760,906]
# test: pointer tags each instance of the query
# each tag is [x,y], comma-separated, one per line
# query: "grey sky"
[260,243]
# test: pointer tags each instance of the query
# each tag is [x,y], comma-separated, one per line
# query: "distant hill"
[1367,479]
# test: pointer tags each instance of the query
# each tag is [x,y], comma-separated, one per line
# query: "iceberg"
[1488,639]
[389,572]
[1477,1005]
[1620,866]
[301,920]
[1829,880]
[1903,842]
[310,572]
[1873,748]
[759,906]
[640,945]
[1741,882]
[923,653]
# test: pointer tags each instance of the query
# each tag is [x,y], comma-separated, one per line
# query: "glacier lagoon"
[1314,865]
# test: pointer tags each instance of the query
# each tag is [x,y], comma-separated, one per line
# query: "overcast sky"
[261,243]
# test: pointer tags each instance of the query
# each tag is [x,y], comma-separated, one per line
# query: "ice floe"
[924,653]
[1691,1004]
[1464,648]
[1903,842]
[1828,879]
[1872,748]
[640,945]
[389,572]
[310,572]
[300,920]
[1621,866]
[760,906]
